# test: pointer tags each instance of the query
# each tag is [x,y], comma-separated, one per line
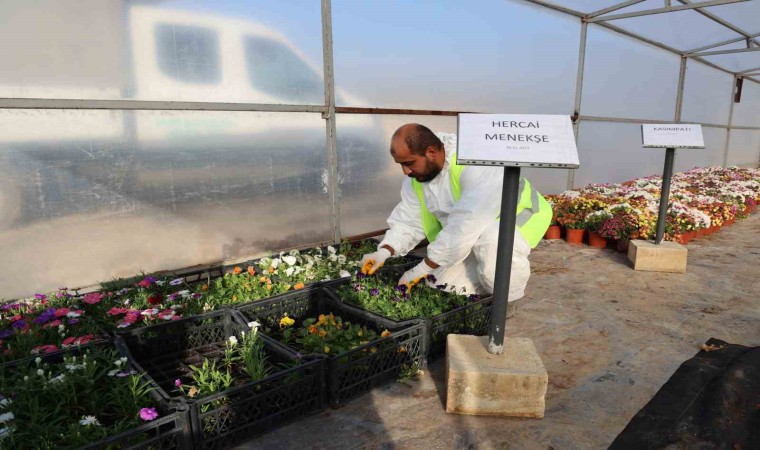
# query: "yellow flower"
[385,333]
[286,322]
[327,349]
[192,392]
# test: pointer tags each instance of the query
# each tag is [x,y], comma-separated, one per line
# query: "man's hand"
[373,261]
[415,275]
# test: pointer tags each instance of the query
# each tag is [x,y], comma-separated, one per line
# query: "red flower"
[60,312]
[116,311]
[16,317]
[67,342]
[82,340]
[132,317]
[93,298]
[155,299]
[44,349]
[53,324]
[176,317]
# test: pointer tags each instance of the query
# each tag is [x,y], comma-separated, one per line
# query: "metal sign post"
[504,259]
[667,174]
[670,137]
[512,141]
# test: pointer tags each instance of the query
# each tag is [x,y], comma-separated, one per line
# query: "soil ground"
[609,337]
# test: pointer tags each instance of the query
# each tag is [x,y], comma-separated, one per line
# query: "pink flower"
[60,312]
[116,311]
[93,298]
[178,383]
[53,324]
[44,349]
[82,340]
[146,282]
[148,414]
[68,342]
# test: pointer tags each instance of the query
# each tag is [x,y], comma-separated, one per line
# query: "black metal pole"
[667,174]
[509,195]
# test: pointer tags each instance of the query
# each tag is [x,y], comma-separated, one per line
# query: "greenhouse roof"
[722,33]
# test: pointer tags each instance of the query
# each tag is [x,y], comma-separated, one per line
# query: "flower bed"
[236,382]
[356,360]
[444,312]
[89,397]
[46,325]
[700,200]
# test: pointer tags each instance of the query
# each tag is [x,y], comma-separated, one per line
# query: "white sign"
[521,140]
[672,135]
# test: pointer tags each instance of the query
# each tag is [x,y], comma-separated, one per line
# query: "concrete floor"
[609,337]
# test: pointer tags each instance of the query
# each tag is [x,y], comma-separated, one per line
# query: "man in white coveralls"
[457,209]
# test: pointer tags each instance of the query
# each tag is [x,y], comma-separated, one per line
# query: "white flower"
[113,372]
[331,250]
[289,271]
[275,263]
[150,312]
[61,328]
[207,307]
[89,420]
[73,314]
[344,273]
[37,360]
[40,372]
[58,379]
[294,252]
[183,293]
[160,282]
[341,259]
[4,432]
[4,401]
[253,325]
[333,257]
[26,378]
[73,367]
[290,260]
[233,340]
[123,325]
[6,417]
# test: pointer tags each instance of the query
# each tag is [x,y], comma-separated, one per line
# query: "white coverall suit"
[465,248]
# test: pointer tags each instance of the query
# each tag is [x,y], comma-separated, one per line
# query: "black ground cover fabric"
[711,402]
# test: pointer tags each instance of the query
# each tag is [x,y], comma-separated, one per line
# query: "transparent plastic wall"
[747,112]
[364,154]
[612,153]
[89,195]
[626,78]
[706,94]
[711,155]
[491,56]
[744,149]
[189,50]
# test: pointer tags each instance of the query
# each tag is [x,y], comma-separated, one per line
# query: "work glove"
[415,275]
[373,261]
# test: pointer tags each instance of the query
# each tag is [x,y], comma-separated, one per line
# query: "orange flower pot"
[574,236]
[596,241]
[700,233]
[554,232]
[688,236]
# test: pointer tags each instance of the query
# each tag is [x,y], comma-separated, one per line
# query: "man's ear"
[431,151]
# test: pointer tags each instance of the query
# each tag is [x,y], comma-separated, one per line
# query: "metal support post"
[504,259]
[667,174]
[333,186]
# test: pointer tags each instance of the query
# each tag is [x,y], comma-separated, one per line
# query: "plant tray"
[226,418]
[473,319]
[170,431]
[357,371]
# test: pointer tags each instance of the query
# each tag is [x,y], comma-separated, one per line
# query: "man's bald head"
[417,138]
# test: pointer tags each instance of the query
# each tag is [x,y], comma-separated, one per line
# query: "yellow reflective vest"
[534,213]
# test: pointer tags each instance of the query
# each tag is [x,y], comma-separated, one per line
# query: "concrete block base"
[665,257]
[480,383]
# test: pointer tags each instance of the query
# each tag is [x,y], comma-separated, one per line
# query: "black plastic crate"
[473,319]
[352,373]
[229,417]
[171,430]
